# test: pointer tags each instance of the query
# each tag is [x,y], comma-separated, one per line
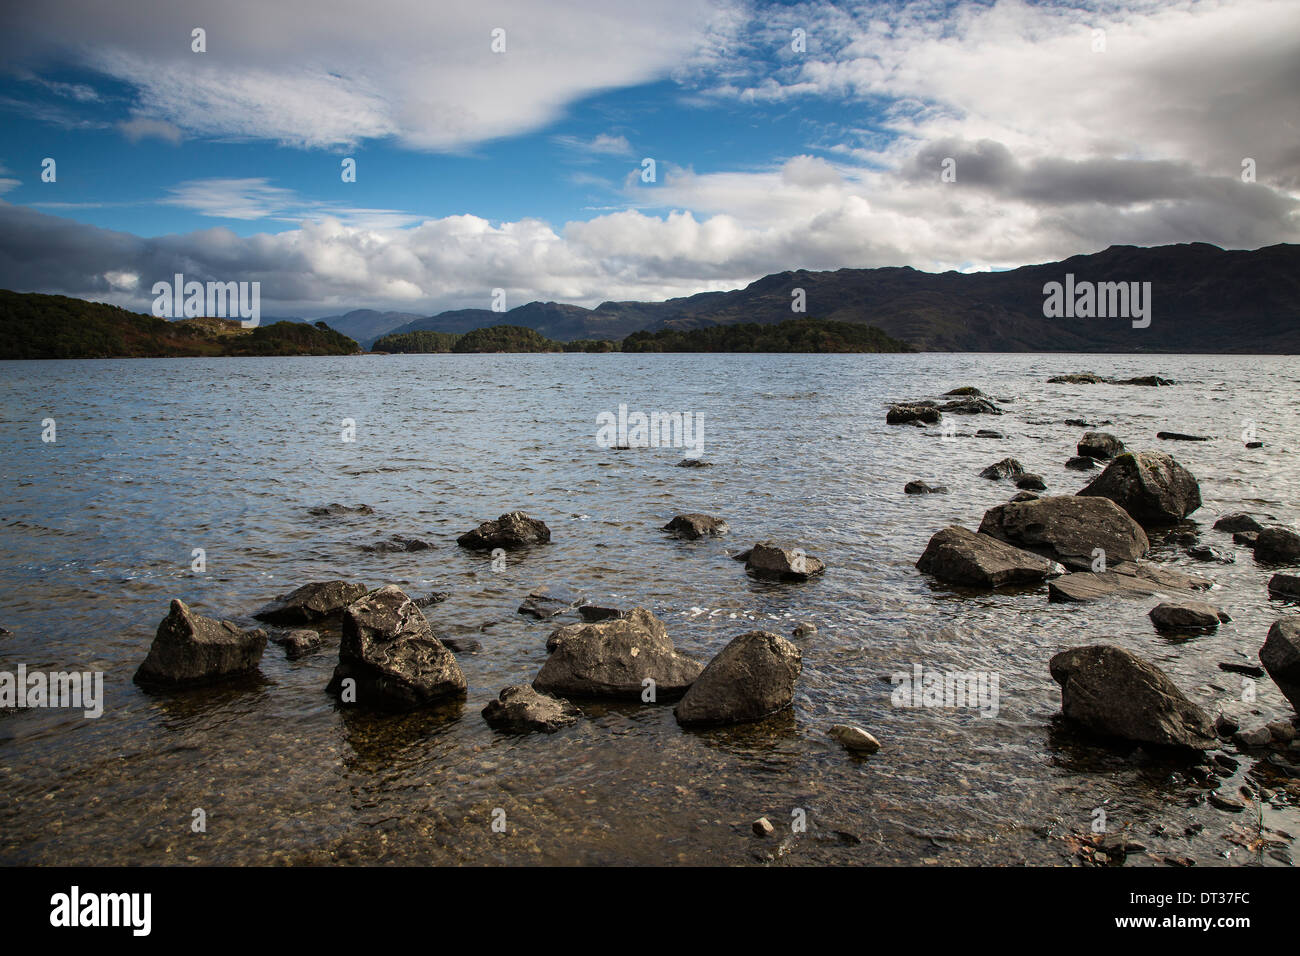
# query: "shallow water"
[155,458]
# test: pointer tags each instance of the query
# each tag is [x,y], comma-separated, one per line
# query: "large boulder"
[768,560]
[1149,485]
[311,602]
[693,526]
[1280,656]
[1100,445]
[510,531]
[1187,616]
[391,653]
[191,649]
[751,677]
[1068,529]
[908,412]
[1277,545]
[613,658]
[960,556]
[1117,694]
[520,709]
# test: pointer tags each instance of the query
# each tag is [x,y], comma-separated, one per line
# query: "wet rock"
[1187,616]
[1277,545]
[520,709]
[989,433]
[1031,482]
[694,526]
[906,413]
[191,649]
[804,629]
[1006,468]
[854,738]
[311,602]
[1245,538]
[1203,552]
[1280,656]
[1100,445]
[762,827]
[1076,378]
[1127,579]
[510,531]
[432,598]
[1254,444]
[1067,528]
[1081,463]
[336,510]
[1225,725]
[966,390]
[751,677]
[1259,737]
[398,544]
[391,653]
[1118,694]
[970,406]
[694,463]
[462,645]
[1150,485]
[1148,380]
[543,603]
[1227,801]
[923,488]
[1179,436]
[959,556]
[1285,586]
[1283,731]
[1025,496]
[298,642]
[600,612]
[612,658]
[768,560]
[1238,521]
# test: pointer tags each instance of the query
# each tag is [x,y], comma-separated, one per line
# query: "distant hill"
[35,326]
[366,325]
[1205,299]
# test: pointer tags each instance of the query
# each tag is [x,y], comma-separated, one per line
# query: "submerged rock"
[924,488]
[694,526]
[1238,521]
[398,544]
[542,603]
[1127,579]
[298,642]
[970,406]
[854,738]
[969,390]
[907,413]
[1203,552]
[1280,656]
[694,463]
[614,658]
[1076,378]
[311,602]
[1149,485]
[768,560]
[959,556]
[1277,545]
[989,433]
[392,655]
[520,709]
[1100,445]
[1118,694]
[751,677]
[1179,436]
[513,530]
[1081,463]
[1031,482]
[1006,468]
[1068,529]
[191,649]
[336,510]
[1187,616]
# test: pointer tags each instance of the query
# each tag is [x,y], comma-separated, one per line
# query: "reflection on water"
[158,457]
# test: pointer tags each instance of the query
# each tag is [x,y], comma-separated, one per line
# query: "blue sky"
[1072,126]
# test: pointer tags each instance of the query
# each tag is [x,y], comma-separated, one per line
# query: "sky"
[507,143]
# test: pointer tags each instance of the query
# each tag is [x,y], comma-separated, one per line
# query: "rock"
[391,653]
[751,677]
[1100,445]
[1277,545]
[1006,468]
[336,510]
[1284,586]
[191,649]
[969,390]
[510,531]
[959,556]
[520,709]
[462,645]
[1280,656]
[1076,378]
[1245,538]
[922,488]
[434,597]
[1031,482]
[1225,725]
[599,612]
[1238,521]
[543,604]
[1283,731]
[1203,552]
[1067,528]
[1025,496]
[1127,578]
[970,406]
[311,602]
[906,413]
[763,827]
[804,629]
[1081,463]
[298,642]
[693,526]
[1227,801]
[398,544]
[767,560]
[694,463]
[612,658]
[1187,616]
[1259,737]
[1250,670]
[1149,485]
[854,738]
[1148,380]
[1112,692]
[989,433]
[1179,436]
[1254,444]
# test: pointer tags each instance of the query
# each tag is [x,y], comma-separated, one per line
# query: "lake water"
[155,458]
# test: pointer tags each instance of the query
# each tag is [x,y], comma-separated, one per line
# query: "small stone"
[1226,801]
[763,827]
[297,643]
[804,629]
[854,738]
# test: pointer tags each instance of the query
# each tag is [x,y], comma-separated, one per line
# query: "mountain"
[366,325]
[1203,299]
[35,326]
